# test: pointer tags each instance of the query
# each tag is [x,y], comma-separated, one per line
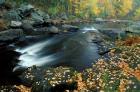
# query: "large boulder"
[12,15]
[11,34]
[26,9]
[19,13]
[27,28]
[39,17]
[53,29]
[43,14]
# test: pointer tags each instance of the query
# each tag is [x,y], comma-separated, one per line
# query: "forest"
[123,9]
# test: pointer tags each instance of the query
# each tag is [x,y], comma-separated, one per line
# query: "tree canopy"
[90,8]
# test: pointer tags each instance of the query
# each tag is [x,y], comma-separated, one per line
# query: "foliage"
[137,13]
[86,8]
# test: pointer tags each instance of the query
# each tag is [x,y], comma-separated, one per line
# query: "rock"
[11,34]
[28,21]
[114,33]
[13,15]
[43,31]
[98,20]
[43,14]
[7,6]
[70,27]
[37,18]
[2,2]
[16,24]
[64,16]
[134,28]
[27,28]
[18,70]
[53,29]
[26,9]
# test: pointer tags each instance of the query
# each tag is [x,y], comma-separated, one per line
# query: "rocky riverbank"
[117,68]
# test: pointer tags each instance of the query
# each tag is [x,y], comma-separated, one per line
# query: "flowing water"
[70,49]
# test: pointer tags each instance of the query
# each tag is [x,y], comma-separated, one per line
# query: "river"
[72,49]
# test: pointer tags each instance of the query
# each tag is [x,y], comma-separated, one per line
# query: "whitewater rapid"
[77,44]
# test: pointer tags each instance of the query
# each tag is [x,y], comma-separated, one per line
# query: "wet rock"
[69,27]
[15,24]
[53,29]
[11,34]
[19,13]
[18,70]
